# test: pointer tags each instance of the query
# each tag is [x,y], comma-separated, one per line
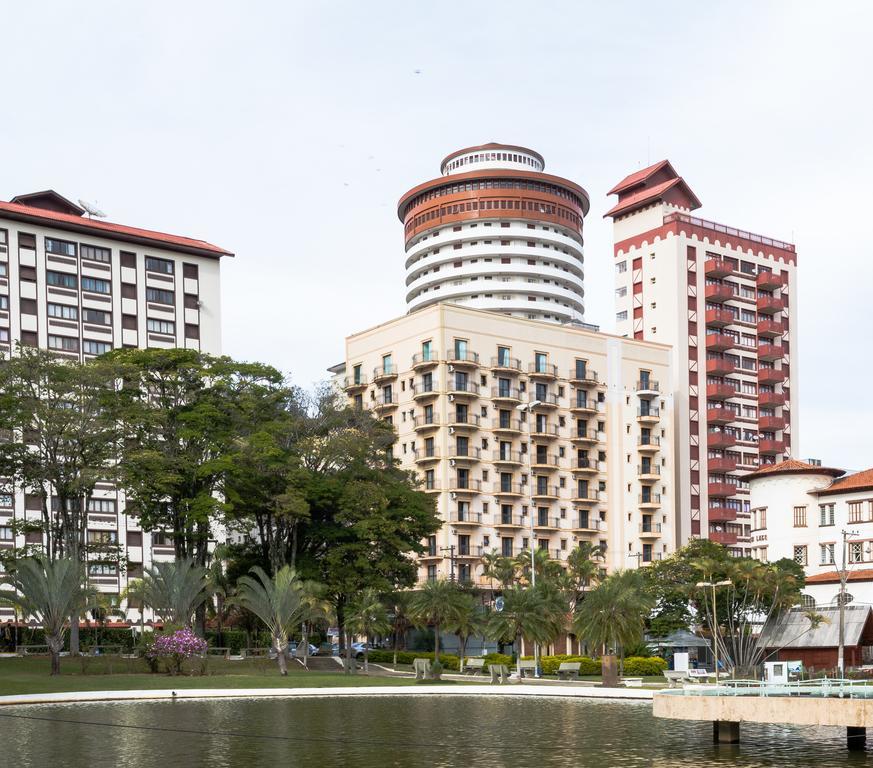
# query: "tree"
[314,610]
[498,568]
[436,604]
[175,590]
[525,616]
[134,594]
[367,616]
[401,621]
[467,623]
[50,591]
[613,615]
[276,602]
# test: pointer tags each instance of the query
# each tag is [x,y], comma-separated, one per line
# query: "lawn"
[31,675]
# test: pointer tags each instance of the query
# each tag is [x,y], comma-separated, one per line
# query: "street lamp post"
[844,577]
[715,632]
[528,408]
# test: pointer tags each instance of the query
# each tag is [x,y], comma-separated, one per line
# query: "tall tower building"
[496,232]
[725,299]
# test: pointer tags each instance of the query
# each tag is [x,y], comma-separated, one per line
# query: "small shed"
[791,636]
[698,649]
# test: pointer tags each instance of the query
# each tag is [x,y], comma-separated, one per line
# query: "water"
[413,732]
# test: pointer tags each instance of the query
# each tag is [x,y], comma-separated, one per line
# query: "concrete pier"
[725,732]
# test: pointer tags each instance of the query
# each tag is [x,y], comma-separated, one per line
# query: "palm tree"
[50,592]
[367,616]
[466,624]
[276,602]
[400,620]
[175,590]
[522,563]
[613,615]
[525,615]
[436,603]
[134,595]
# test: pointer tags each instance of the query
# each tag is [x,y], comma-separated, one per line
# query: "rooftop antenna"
[92,210]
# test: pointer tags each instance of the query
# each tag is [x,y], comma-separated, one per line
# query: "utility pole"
[639,558]
[528,408]
[451,550]
[844,577]
[715,632]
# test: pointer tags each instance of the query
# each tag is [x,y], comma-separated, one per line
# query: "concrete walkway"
[517,690]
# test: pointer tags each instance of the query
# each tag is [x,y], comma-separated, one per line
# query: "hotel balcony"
[771,423]
[431,554]
[464,390]
[462,358]
[471,488]
[727,538]
[546,462]
[720,391]
[584,467]
[510,365]
[771,399]
[470,552]
[426,423]
[508,459]
[544,432]
[460,518]
[771,352]
[650,500]
[770,328]
[546,523]
[508,395]
[650,530]
[545,492]
[587,525]
[505,522]
[584,436]
[648,415]
[717,268]
[770,281]
[648,444]
[770,305]
[719,342]
[424,456]
[720,440]
[583,407]
[648,388]
[424,392]
[423,360]
[648,474]
[770,376]
[721,464]
[721,490]
[718,318]
[384,403]
[434,487]
[354,384]
[720,415]
[722,514]
[591,498]
[771,447]
[542,371]
[384,373]
[586,378]
[458,423]
[509,491]
[507,427]
[718,294]
[719,367]
[470,456]
[545,402]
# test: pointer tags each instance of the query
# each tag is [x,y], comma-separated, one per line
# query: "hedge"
[448,660]
[634,666]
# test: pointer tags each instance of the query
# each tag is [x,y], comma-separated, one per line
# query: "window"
[800,517]
[106,506]
[96,316]
[621,267]
[826,514]
[61,279]
[61,247]
[855,511]
[161,326]
[102,537]
[619,316]
[621,292]
[856,552]
[65,343]
[800,555]
[4,302]
[6,533]
[95,347]
[807,601]
[63,311]
[95,253]
[159,265]
[96,286]
[5,500]
[159,297]
[827,554]
[103,569]
[4,270]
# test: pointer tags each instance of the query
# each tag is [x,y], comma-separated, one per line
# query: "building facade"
[527,433]
[800,511]
[725,299]
[494,231]
[80,287]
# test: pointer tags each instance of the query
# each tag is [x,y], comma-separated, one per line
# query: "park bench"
[674,678]
[569,670]
[257,653]
[632,682]
[105,650]
[474,666]
[30,650]
[221,651]
[527,667]
[422,669]
[499,673]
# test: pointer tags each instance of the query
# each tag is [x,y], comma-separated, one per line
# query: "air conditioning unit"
[451,430]
[451,369]
[454,496]
[451,462]
[451,398]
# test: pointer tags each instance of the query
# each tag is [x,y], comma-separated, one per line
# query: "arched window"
[807,601]
[847,598]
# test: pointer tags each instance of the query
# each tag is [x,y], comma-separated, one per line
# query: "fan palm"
[50,592]
[437,603]
[276,602]
[525,615]
[367,616]
[175,590]
[315,609]
[467,623]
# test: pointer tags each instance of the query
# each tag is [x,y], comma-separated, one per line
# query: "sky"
[286,132]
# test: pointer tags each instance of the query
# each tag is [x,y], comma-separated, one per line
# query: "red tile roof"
[864,574]
[121,231]
[638,177]
[793,466]
[859,481]
[650,194]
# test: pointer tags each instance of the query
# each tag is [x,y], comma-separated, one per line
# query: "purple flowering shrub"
[174,648]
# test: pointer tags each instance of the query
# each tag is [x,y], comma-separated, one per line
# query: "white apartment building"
[80,287]
[800,511]
[527,433]
[726,301]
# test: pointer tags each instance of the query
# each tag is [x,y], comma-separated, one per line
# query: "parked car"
[357,649]
[293,645]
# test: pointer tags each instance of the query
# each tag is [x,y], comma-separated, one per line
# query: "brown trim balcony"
[771,447]
[423,424]
[546,432]
[462,359]
[465,518]
[546,523]
[583,407]
[771,399]
[509,490]
[648,444]
[422,361]
[591,498]
[720,391]
[720,440]
[509,395]
[721,490]
[770,281]
[719,367]
[719,342]
[648,415]
[648,474]
[424,456]
[717,268]
[770,305]
[470,456]
[584,466]
[721,464]
[770,351]
[509,521]
[384,373]
[718,294]
[471,552]
[510,427]
[586,378]
[770,376]
[469,422]
[546,371]
[649,501]
[584,436]
[650,530]
[472,487]
[718,318]
[547,402]
[771,423]
[589,525]
[511,365]
[727,538]
[383,403]
[545,492]
[648,388]
[721,513]
[468,390]
[720,415]
[770,328]
[424,391]
[508,459]
[547,462]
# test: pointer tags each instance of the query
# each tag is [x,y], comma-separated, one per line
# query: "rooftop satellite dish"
[92,209]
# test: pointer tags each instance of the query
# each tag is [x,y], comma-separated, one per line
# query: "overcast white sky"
[286,132]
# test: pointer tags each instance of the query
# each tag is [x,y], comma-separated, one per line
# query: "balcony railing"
[470,453]
[424,390]
[718,267]
[653,528]
[547,400]
[584,435]
[770,281]
[506,393]
[470,420]
[546,522]
[544,460]
[771,351]
[771,375]
[425,359]
[727,538]
[771,399]
[583,404]
[426,422]
[721,490]
[462,357]
[385,401]
[771,447]
[722,513]
[719,293]
[719,367]
[771,423]
[648,469]
[542,370]
[649,498]
[649,413]
[721,464]
[506,364]
[470,486]
[465,517]
[382,372]
[583,465]
[720,391]
[725,230]
[544,430]
[648,387]
[586,377]
[720,317]
[462,387]
[720,342]
[720,415]
[544,490]
[770,327]
[770,305]
[720,440]
[509,489]
[513,521]
[507,425]
[508,457]
[648,442]
[427,454]
[354,382]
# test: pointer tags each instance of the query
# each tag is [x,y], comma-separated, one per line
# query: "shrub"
[638,666]
[449,661]
[174,648]
[497,658]
[549,664]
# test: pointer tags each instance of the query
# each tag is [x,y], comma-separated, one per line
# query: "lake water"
[430,732]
